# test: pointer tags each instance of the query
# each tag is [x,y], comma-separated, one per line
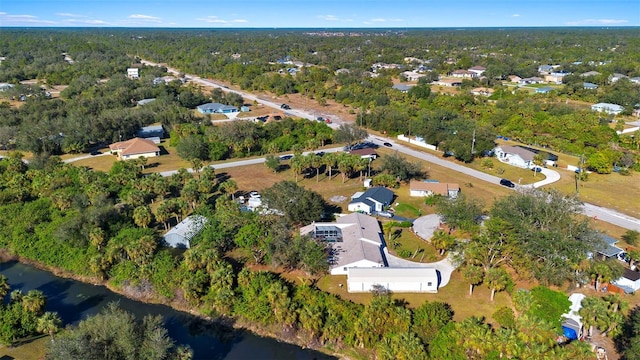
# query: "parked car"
[95,152]
[320,118]
[285,106]
[327,120]
[320,153]
[385,214]
[536,169]
[507,183]
[286,157]
[387,144]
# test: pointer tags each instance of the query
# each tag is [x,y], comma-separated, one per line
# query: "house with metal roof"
[371,201]
[399,280]
[612,109]
[356,240]
[589,86]
[180,235]
[217,108]
[134,148]
[145,101]
[402,87]
[544,90]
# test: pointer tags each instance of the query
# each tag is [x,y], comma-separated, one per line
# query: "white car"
[385,214]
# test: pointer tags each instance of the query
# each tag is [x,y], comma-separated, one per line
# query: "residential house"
[397,280]
[546,69]
[482,91]
[572,323]
[356,240]
[180,235]
[366,153]
[412,75]
[134,148]
[449,82]
[478,70]
[430,188]
[589,86]
[531,80]
[371,201]
[514,78]
[617,76]
[132,73]
[466,74]
[402,87]
[556,77]
[590,73]
[544,90]
[515,156]
[217,108]
[151,131]
[629,282]
[612,109]
[609,250]
[635,80]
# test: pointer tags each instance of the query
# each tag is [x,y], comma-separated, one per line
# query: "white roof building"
[181,234]
[398,280]
[355,239]
[613,109]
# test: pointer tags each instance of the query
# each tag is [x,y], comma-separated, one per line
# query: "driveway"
[424,227]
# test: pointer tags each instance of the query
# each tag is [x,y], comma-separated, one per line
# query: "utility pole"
[473,143]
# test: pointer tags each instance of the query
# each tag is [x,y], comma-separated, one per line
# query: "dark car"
[507,183]
[387,144]
[536,169]
[285,106]
[95,152]
[320,153]
[286,157]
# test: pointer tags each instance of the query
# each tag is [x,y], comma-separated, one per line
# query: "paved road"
[601,213]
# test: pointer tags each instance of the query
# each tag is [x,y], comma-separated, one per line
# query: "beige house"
[423,189]
[134,148]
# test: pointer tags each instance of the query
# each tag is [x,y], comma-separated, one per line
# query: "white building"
[132,73]
[515,156]
[430,188]
[629,282]
[180,236]
[572,324]
[612,109]
[356,240]
[371,201]
[397,280]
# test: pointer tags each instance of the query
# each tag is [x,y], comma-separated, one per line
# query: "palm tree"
[329,160]
[184,353]
[4,286]
[142,216]
[297,163]
[16,296]
[196,165]
[497,279]
[442,241]
[97,237]
[34,301]
[49,323]
[474,274]
[229,187]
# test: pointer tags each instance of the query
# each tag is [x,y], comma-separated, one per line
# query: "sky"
[318,13]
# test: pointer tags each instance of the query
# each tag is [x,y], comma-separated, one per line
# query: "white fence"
[417,142]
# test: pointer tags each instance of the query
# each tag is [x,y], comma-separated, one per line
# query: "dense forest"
[108,225]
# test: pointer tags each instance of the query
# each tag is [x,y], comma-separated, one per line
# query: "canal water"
[75,301]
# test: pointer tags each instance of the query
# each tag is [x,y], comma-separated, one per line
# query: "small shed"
[399,280]
[181,234]
[572,323]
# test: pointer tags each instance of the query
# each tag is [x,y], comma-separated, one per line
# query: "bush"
[487,163]
[505,317]
[631,237]
[500,171]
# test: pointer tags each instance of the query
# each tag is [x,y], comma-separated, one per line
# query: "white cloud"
[70,15]
[19,20]
[515,15]
[378,20]
[144,17]
[597,22]
[217,20]
[87,22]
[328,17]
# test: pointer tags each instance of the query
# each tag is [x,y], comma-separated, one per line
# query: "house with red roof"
[134,148]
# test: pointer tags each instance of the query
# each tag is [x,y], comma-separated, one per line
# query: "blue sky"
[318,13]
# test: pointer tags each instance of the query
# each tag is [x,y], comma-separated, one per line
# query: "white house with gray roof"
[403,280]
[515,156]
[356,240]
[612,109]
